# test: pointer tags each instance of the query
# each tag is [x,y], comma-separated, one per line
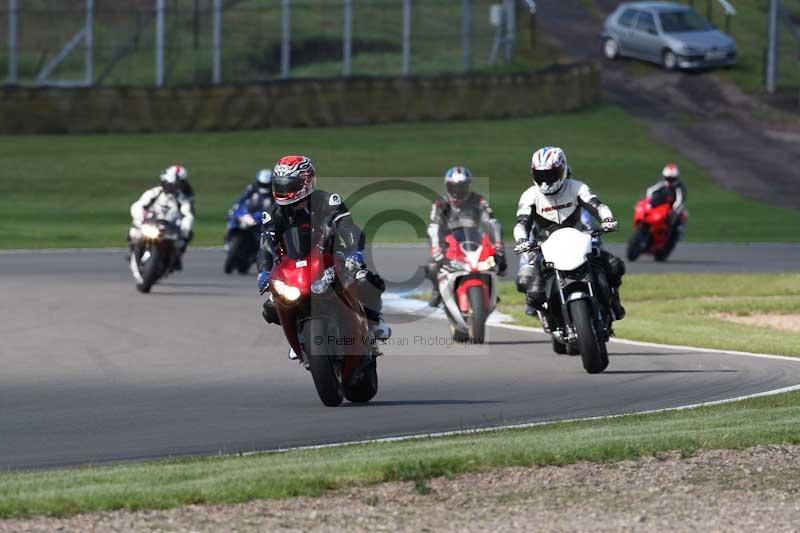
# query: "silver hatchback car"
[670,34]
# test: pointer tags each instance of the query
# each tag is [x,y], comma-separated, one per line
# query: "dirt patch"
[781,322]
[749,490]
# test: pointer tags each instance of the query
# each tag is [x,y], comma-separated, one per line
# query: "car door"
[624,28]
[645,41]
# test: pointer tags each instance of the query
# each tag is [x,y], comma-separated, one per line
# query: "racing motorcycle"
[242,237]
[468,283]
[322,319]
[651,228]
[155,254]
[577,297]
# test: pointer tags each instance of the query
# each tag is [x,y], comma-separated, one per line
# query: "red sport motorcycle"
[323,321]
[652,233]
[468,283]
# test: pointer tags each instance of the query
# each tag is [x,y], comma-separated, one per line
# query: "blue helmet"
[458,181]
[264,181]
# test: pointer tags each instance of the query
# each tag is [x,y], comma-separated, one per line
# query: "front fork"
[600,326]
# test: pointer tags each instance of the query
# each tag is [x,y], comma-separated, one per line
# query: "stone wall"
[298,103]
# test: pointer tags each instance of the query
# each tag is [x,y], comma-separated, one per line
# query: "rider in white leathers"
[167,203]
[557,201]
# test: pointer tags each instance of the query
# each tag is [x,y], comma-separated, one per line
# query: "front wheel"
[367,386]
[150,270]
[669,60]
[638,242]
[592,353]
[477,319]
[323,360]
[610,49]
[233,259]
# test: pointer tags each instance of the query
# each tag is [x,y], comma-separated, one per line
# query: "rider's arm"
[493,226]
[436,227]
[268,249]
[350,235]
[244,196]
[187,215]
[680,197]
[652,190]
[593,204]
[525,208]
[145,201]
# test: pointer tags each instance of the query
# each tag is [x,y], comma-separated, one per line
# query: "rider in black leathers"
[460,208]
[299,204]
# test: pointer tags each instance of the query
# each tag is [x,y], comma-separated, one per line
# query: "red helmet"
[671,172]
[293,179]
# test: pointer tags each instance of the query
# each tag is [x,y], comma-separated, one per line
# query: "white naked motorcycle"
[577,297]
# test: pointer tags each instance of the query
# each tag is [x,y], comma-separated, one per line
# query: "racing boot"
[292,355]
[268,311]
[379,328]
[616,305]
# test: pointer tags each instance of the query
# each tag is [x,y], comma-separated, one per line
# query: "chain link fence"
[186,42]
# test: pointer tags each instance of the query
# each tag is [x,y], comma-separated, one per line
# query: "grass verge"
[75,191]
[685,308]
[165,484]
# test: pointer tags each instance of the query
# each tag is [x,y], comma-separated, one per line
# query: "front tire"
[477,319]
[611,49]
[323,358]
[233,259]
[366,388]
[151,271]
[669,60]
[638,242]
[594,361]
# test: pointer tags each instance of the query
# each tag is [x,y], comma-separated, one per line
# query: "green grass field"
[165,484]
[74,191]
[685,309]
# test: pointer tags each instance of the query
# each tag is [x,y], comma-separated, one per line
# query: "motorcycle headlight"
[150,232]
[287,292]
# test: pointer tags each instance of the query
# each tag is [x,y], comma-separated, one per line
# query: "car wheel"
[610,49]
[670,60]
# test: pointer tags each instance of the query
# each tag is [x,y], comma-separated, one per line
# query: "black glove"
[502,264]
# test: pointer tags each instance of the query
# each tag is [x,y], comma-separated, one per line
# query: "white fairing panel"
[567,248]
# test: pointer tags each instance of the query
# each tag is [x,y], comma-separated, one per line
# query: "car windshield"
[683,21]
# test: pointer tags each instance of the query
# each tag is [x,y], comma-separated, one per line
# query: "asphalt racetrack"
[93,371]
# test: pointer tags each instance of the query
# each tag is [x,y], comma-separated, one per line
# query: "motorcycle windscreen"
[660,197]
[297,242]
[469,239]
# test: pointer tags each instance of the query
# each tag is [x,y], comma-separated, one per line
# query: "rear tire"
[234,251]
[322,360]
[637,242]
[589,345]
[151,271]
[367,388]
[477,320]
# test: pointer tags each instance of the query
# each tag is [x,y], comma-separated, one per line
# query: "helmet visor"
[458,190]
[169,187]
[548,177]
[286,188]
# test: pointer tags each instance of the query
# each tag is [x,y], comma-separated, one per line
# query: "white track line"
[526,425]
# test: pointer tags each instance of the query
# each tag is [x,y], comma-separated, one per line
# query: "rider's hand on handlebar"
[522,246]
[609,224]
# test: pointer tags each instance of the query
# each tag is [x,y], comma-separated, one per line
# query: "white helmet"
[169,181]
[457,181]
[549,169]
[176,171]
[671,172]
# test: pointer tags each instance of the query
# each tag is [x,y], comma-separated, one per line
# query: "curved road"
[94,372]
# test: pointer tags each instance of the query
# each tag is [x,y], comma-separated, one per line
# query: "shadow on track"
[668,371]
[393,403]
[516,343]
